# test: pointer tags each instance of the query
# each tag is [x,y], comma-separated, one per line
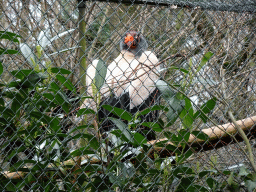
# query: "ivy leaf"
[243,171]
[251,185]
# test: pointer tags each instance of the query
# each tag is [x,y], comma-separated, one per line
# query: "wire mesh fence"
[127,95]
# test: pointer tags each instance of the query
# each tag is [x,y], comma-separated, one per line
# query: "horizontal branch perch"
[217,138]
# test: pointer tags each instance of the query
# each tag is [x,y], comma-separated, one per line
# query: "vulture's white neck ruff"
[127,74]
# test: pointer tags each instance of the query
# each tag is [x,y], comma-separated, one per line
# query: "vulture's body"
[130,83]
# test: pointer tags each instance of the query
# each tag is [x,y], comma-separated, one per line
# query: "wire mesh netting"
[127,95]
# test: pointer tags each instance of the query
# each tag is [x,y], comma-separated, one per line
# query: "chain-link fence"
[127,95]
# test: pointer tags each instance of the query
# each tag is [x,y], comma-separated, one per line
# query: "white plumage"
[126,74]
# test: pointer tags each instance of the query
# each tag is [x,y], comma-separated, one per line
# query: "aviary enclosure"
[127,95]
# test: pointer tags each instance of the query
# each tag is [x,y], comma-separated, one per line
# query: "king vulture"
[130,82]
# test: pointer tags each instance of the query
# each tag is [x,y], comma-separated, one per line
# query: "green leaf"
[182,170]
[187,115]
[66,107]
[184,156]
[123,128]
[10,36]
[93,143]
[55,124]
[60,100]
[181,69]
[1,68]
[8,51]
[184,134]
[243,171]
[154,108]
[204,173]
[173,148]
[185,183]
[16,106]
[123,114]
[32,79]
[16,151]
[175,105]
[66,82]
[251,185]
[165,89]
[55,87]
[118,133]
[160,129]
[40,116]
[7,112]
[49,96]
[212,183]
[82,151]
[78,128]
[155,126]
[231,178]
[168,135]
[200,135]
[205,59]
[60,70]
[9,186]
[20,74]
[13,84]
[100,74]
[2,101]
[206,108]
[84,111]
[21,164]
[139,139]
[162,143]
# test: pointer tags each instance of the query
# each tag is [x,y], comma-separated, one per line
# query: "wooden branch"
[21,174]
[217,138]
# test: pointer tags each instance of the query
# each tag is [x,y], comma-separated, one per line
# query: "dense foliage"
[34,140]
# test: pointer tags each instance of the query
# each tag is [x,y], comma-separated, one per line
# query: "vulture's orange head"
[134,42]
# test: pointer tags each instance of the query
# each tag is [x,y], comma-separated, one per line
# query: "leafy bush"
[31,126]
